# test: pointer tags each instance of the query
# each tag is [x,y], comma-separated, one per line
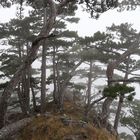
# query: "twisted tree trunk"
[121,98]
[44,34]
[109,73]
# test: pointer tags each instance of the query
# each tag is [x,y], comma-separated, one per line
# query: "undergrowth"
[53,128]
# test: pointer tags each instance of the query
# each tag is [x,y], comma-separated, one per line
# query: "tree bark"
[89,84]
[30,58]
[20,84]
[34,98]
[58,84]
[21,99]
[43,79]
[89,90]
[117,117]
[108,100]
[24,94]
[43,68]
[121,98]
[28,83]
[55,96]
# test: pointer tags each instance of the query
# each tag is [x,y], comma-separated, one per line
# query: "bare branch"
[127,80]
[97,100]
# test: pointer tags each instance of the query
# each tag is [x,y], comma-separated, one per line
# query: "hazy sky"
[87,26]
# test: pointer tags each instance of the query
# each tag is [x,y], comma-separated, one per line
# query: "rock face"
[13,128]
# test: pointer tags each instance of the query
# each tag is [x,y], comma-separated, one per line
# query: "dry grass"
[52,128]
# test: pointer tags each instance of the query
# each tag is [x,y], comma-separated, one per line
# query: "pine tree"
[19,29]
[126,33]
[132,120]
